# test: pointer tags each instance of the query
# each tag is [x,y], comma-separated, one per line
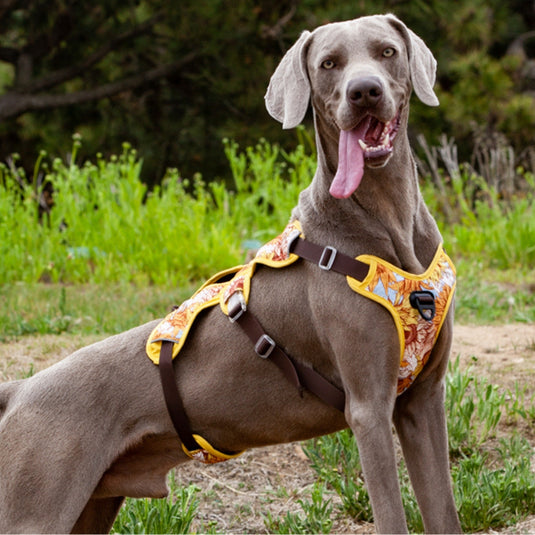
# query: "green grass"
[316,515]
[108,308]
[489,295]
[105,226]
[109,241]
[503,232]
[336,460]
[495,489]
[485,223]
[174,514]
[32,308]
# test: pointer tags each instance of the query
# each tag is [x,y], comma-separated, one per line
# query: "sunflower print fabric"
[391,287]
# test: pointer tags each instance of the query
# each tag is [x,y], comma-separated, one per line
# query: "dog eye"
[328,64]
[388,52]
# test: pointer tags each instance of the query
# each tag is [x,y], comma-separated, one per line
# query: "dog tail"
[7,390]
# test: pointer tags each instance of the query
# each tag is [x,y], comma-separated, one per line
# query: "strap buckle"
[264,346]
[236,306]
[326,260]
[292,240]
[424,302]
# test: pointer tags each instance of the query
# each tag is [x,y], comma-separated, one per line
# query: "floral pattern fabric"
[275,254]
[391,287]
[177,324]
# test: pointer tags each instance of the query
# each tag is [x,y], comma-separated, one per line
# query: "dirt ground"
[235,496]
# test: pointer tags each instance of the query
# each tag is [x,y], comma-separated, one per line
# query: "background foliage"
[154,247]
[173,78]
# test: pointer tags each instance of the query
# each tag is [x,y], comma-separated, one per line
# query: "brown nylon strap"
[296,373]
[253,329]
[173,401]
[330,259]
[318,385]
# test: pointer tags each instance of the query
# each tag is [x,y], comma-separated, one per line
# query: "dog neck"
[386,215]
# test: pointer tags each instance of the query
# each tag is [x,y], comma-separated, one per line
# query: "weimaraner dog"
[81,435]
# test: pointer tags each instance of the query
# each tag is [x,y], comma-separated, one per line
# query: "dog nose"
[365,92]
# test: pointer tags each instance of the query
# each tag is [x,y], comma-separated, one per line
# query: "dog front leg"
[421,426]
[98,515]
[373,431]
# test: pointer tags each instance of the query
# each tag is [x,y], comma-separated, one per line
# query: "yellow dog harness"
[418,305]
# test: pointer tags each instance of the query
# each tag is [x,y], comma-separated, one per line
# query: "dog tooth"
[363,145]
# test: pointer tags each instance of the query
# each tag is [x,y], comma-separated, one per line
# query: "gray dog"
[83,434]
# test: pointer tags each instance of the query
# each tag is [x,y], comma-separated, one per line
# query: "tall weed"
[315,518]
[493,493]
[474,408]
[479,219]
[104,224]
[502,232]
[336,460]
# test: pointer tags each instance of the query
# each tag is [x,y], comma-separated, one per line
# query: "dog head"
[359,75]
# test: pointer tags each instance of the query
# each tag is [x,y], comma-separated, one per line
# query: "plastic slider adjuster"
[294,235]
[424,302]
[236,306]
[327,258]
[264,346]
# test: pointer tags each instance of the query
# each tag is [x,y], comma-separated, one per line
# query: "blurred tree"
[168,76]
[173,78]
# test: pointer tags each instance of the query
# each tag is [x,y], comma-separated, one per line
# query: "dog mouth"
[377,141]
[369,143]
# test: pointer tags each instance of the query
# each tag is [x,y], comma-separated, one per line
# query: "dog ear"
[423,65]
[288,94]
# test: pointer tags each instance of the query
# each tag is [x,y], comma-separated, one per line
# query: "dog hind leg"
[98,515]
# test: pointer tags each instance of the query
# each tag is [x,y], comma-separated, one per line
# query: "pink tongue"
[350,162]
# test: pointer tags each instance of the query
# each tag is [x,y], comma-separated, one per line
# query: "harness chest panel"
[385,284]
[392,287]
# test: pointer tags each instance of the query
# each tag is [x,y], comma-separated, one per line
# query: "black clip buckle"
[424,302]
